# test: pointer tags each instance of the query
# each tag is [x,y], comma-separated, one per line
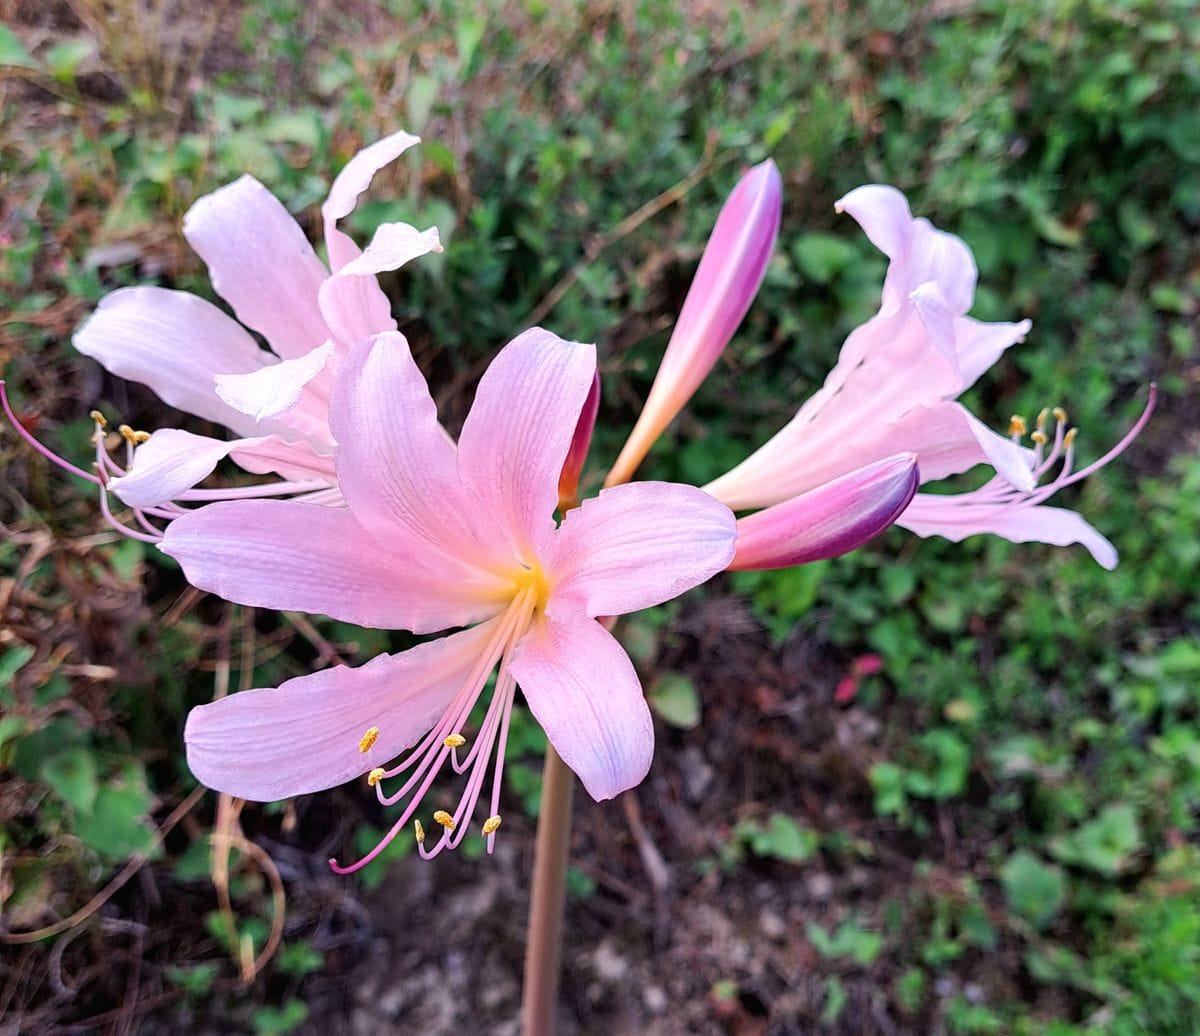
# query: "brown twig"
[597,246]
[103,896]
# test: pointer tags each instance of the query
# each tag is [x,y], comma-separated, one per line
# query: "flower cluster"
[378,517]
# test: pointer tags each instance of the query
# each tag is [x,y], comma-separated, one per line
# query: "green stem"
[539,1001]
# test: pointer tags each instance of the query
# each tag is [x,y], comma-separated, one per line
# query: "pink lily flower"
[731,270]
[894,389]
[433,537]
[203,362]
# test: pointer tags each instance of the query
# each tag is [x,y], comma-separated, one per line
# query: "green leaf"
[299,959]
[73,775]
[1033,890]
[117,826]
[1103,845]
[12,50]
[64,59]
[823,256]
[781,838]
[675,699]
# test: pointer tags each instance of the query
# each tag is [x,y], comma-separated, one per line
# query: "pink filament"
[431,755]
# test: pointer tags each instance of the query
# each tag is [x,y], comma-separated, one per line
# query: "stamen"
[445,819]
[375,776]
[1017,426]
[1041,418]
[99,418]
[1060,415]
[491,824]
[45,451]
[419,831]
[1069,438]
[368,739]
[454,741]
[1039,437]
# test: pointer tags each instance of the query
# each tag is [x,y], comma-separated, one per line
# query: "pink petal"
[174,343]
[516,437]
[931,515]
[394,245]
[980,345]
[305,557]
[274,390]
[637,545]
[351,300]
[261,263]
[917,250]
[829,521]
[297,461]
[583,690]
[350,183]
[397,468]
[171,462]
[948,440]
[731,270]
[303,736]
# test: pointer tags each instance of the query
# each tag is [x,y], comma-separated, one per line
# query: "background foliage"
[995,832]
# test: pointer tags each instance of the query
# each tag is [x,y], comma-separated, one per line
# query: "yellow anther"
[128,434]
[368,739]
[1041,419]
[445,819]
[1069,438]
[140,437]
[1039,437]
[99,418]
[419,831]
[491,824]
[454,741]
[1060,415]
[375,776]
[1016,425]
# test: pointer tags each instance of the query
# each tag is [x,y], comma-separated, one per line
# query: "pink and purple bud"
[828,521]
[581,441]
[730,273]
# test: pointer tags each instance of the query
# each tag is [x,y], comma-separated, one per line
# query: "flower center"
[532,578]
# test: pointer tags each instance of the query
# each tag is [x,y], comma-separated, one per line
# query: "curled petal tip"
[830,520]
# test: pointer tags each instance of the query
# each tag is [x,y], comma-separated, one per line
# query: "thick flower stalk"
[895,388]
[436,536]
[201,361]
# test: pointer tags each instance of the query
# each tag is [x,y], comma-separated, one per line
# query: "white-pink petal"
[635,546]
[304,735]
[289,556]
[932,515]
[948,440]
[270,391]
[261,263]
[350,183]
[351,300]
[171,462]
[583,690]
[516,437]
[918,251]
[293,460]
[174,342]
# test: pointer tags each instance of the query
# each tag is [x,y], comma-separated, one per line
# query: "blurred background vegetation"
[994,833]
